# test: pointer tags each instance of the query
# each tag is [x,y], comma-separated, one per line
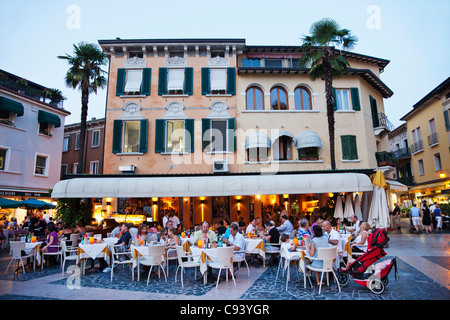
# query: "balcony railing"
[433,139]
[416,147]
[403,153]
[384,122]
[385,159]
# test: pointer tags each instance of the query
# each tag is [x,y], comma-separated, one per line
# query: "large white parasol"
[358,211]
[379,210]
[348,210]
[338,210]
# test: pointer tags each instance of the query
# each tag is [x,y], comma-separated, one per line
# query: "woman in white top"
[360,243]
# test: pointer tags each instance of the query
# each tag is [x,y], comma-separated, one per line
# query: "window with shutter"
[133,81]
[143,136]
[355,99]
[349,148]
[117,136]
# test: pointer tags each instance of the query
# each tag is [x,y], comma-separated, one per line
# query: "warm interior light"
[331,195]
[285,196]
[258,196]
[442,175]
[154,199]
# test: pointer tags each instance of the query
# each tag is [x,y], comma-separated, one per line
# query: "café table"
[141,251]
[204,255]
[255,246]
[186,239]
[92,251]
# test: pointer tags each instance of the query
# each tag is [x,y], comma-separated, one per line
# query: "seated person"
[286,242]
[222,227]
[361,241]
[304,228]
[286,226]
[37,228]
[205,232]
[272,237]
[172,241]
[251,228]
[51,244]
[236,240]
[80,229]
[320,240]
[124,239]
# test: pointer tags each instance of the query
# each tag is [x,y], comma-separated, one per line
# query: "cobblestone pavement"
[423,274]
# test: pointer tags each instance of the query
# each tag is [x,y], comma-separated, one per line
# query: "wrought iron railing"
[402,153]
[384,122]
[433,139]
[385,158]
[417,146]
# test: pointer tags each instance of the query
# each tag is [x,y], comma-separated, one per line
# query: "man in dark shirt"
[37,227]
[125,237]
[272,237]
[221,230]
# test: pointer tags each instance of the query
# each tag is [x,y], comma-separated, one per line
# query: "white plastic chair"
[189,263]
[57,253]
[89,234]
[327,255]
[74,240]
[16,248]
[287,258]
[155,257]
[224,261]
[98,236]
[115,260]
[273,251]
[68,254]
[167,259]
[239,256]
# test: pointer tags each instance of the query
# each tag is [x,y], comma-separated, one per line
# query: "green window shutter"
[231,134]
[447,120]
[335,99]
[143,136]
[374,110]
[162,84]
[353,148]
[345,144]
[146,81]
[160,133]
[120,86]
[205,81]
[117,136]
[206,134]
[188,81]
[189,127]
[355,99]
[231,81]
[69,143]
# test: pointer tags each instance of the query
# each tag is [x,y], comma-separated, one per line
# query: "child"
[286,242]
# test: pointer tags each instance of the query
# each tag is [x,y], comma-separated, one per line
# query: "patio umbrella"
[379,211]
[35,204]
[365,204]
[358,211]
[9,204]
[348,211]
[338,211]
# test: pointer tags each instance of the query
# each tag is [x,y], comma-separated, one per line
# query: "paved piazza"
[423,274]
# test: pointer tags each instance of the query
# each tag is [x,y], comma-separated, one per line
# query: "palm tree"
[85,73]
[325,62]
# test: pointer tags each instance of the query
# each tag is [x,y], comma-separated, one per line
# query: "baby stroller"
[364,271]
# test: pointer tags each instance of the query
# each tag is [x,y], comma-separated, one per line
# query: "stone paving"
[423,274]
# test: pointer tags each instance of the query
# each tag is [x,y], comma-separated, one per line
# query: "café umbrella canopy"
[358,212]
[338,210]
[33,203]
[9,204]
[379,210]
[348,211]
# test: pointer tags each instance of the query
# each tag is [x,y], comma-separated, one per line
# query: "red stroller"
[364,271]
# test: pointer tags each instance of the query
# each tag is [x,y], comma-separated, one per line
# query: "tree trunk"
[328,77]
[84,112]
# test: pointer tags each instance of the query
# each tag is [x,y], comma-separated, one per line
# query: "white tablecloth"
[93,251]
[191,240]
[255,246]
[36,245]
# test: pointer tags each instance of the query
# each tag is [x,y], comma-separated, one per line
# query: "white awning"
[396,186]
[175,79]
[134,81]
[308,139]
[279,134]
[208,186]
[257,140]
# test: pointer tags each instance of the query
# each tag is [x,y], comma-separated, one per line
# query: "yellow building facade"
[428,132]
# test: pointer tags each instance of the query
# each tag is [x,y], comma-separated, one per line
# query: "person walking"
[426,218]
[415,217]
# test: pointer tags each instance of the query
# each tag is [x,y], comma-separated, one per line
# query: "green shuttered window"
[131,139]
[349,149]
[145,83]
[355,99]
[188,81]
[374,110]
[161,135]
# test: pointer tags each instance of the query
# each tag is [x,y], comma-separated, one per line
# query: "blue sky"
[414,35]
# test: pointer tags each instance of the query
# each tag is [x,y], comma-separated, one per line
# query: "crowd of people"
[425,216]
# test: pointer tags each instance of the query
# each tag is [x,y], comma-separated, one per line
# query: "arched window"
[255,98]
[302,98]
[278,99]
